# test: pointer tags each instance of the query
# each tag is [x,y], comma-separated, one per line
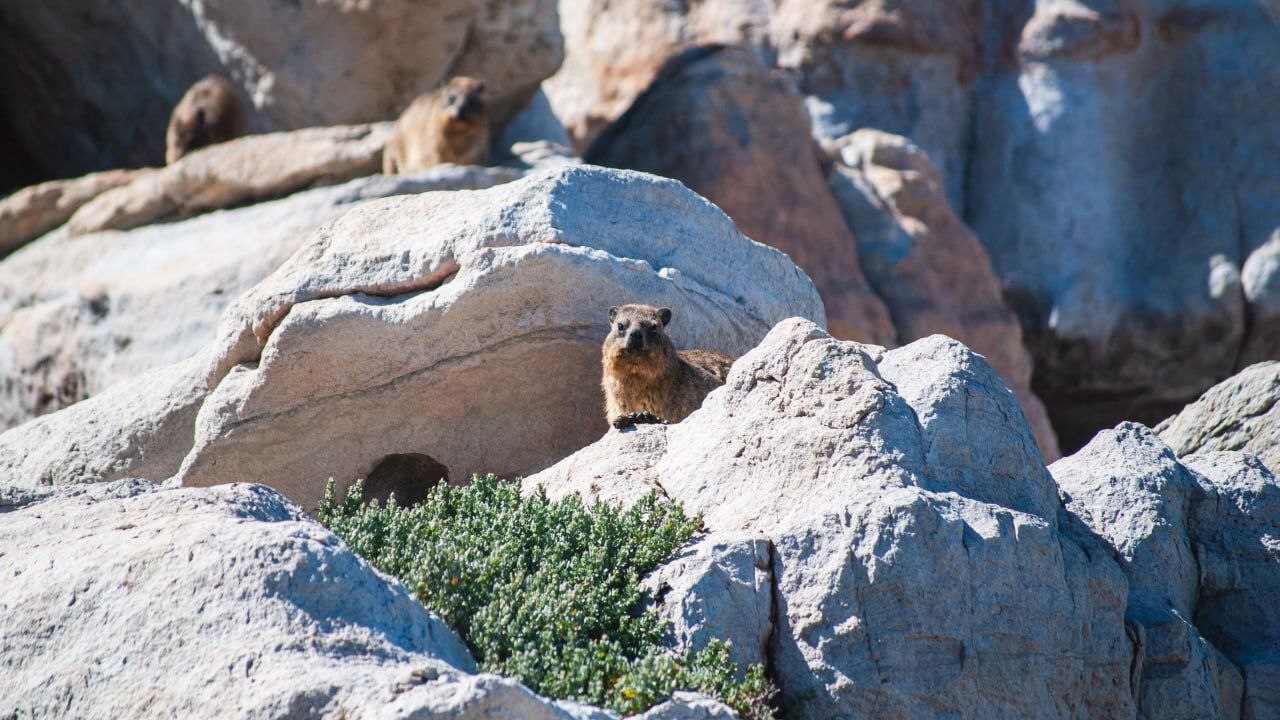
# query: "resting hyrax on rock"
[210,112]
[645,379]
[447,125]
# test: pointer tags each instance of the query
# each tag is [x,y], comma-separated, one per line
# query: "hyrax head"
[463,99]
[638,328]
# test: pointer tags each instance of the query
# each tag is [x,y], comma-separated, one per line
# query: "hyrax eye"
[621,328]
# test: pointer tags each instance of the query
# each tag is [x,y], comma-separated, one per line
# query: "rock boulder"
[81,313]
[904,583]
[1240,413]
[494,302]
[1197,541]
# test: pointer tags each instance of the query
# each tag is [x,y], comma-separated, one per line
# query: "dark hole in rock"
[409,475]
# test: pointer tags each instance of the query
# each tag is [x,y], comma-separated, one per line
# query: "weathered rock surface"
[1135,240]
[34,211]
[904,583]
[133,582]
[614,49]
[903,67]
[1240,413]
[931,271]
[1123,172]
[1236,525]
[1200,544]
[134,587]
[79,314]
[92,87]
[737,134]
[494,301]
[250,169]
[718,588]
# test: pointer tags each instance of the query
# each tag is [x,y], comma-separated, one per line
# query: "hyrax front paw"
[637,418]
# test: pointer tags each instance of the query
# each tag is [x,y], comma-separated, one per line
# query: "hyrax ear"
[664,315]
[613,314]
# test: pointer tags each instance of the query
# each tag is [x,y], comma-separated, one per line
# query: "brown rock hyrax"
[447,125]
[645,379]
[211,112]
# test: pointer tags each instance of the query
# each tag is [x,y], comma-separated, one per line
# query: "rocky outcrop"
[1240,413]
[1123,174]
[921,559]
[929,268]
[904,552]
[494,301]
[1135,241]
[719,122]
[134,582]
[738,134]
[250,169]
[92,87]
[79,314]
[34,211]
[1197,542]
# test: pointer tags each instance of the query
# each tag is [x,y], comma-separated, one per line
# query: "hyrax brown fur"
[645,379]
[447,125]
[210,112]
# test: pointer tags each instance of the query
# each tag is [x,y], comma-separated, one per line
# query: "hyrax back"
[210,112]
[645,378]
[446,125]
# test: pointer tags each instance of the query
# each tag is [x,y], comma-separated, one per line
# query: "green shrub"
[547,592]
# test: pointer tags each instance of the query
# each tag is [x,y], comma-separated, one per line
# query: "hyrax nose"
[635,341]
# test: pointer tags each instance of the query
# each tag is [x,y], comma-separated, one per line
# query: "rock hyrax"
[447,125]
[645,379]
[210,112]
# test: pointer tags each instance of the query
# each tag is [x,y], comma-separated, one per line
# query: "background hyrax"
[210,112]
[447,125]
[645,379]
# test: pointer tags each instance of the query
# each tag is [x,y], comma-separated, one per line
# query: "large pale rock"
[1200,545]
[1123,172]
[902,587]
[976,441]
[134,587]
[494,302]
[614,49]
[1128,487]
[134,582]
[736,133]
[248,169]
[92,87]
[929,268]
[79,314]
[1240,413]
[140,427]
[34,211]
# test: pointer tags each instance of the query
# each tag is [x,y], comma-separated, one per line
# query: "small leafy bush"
[547,592]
